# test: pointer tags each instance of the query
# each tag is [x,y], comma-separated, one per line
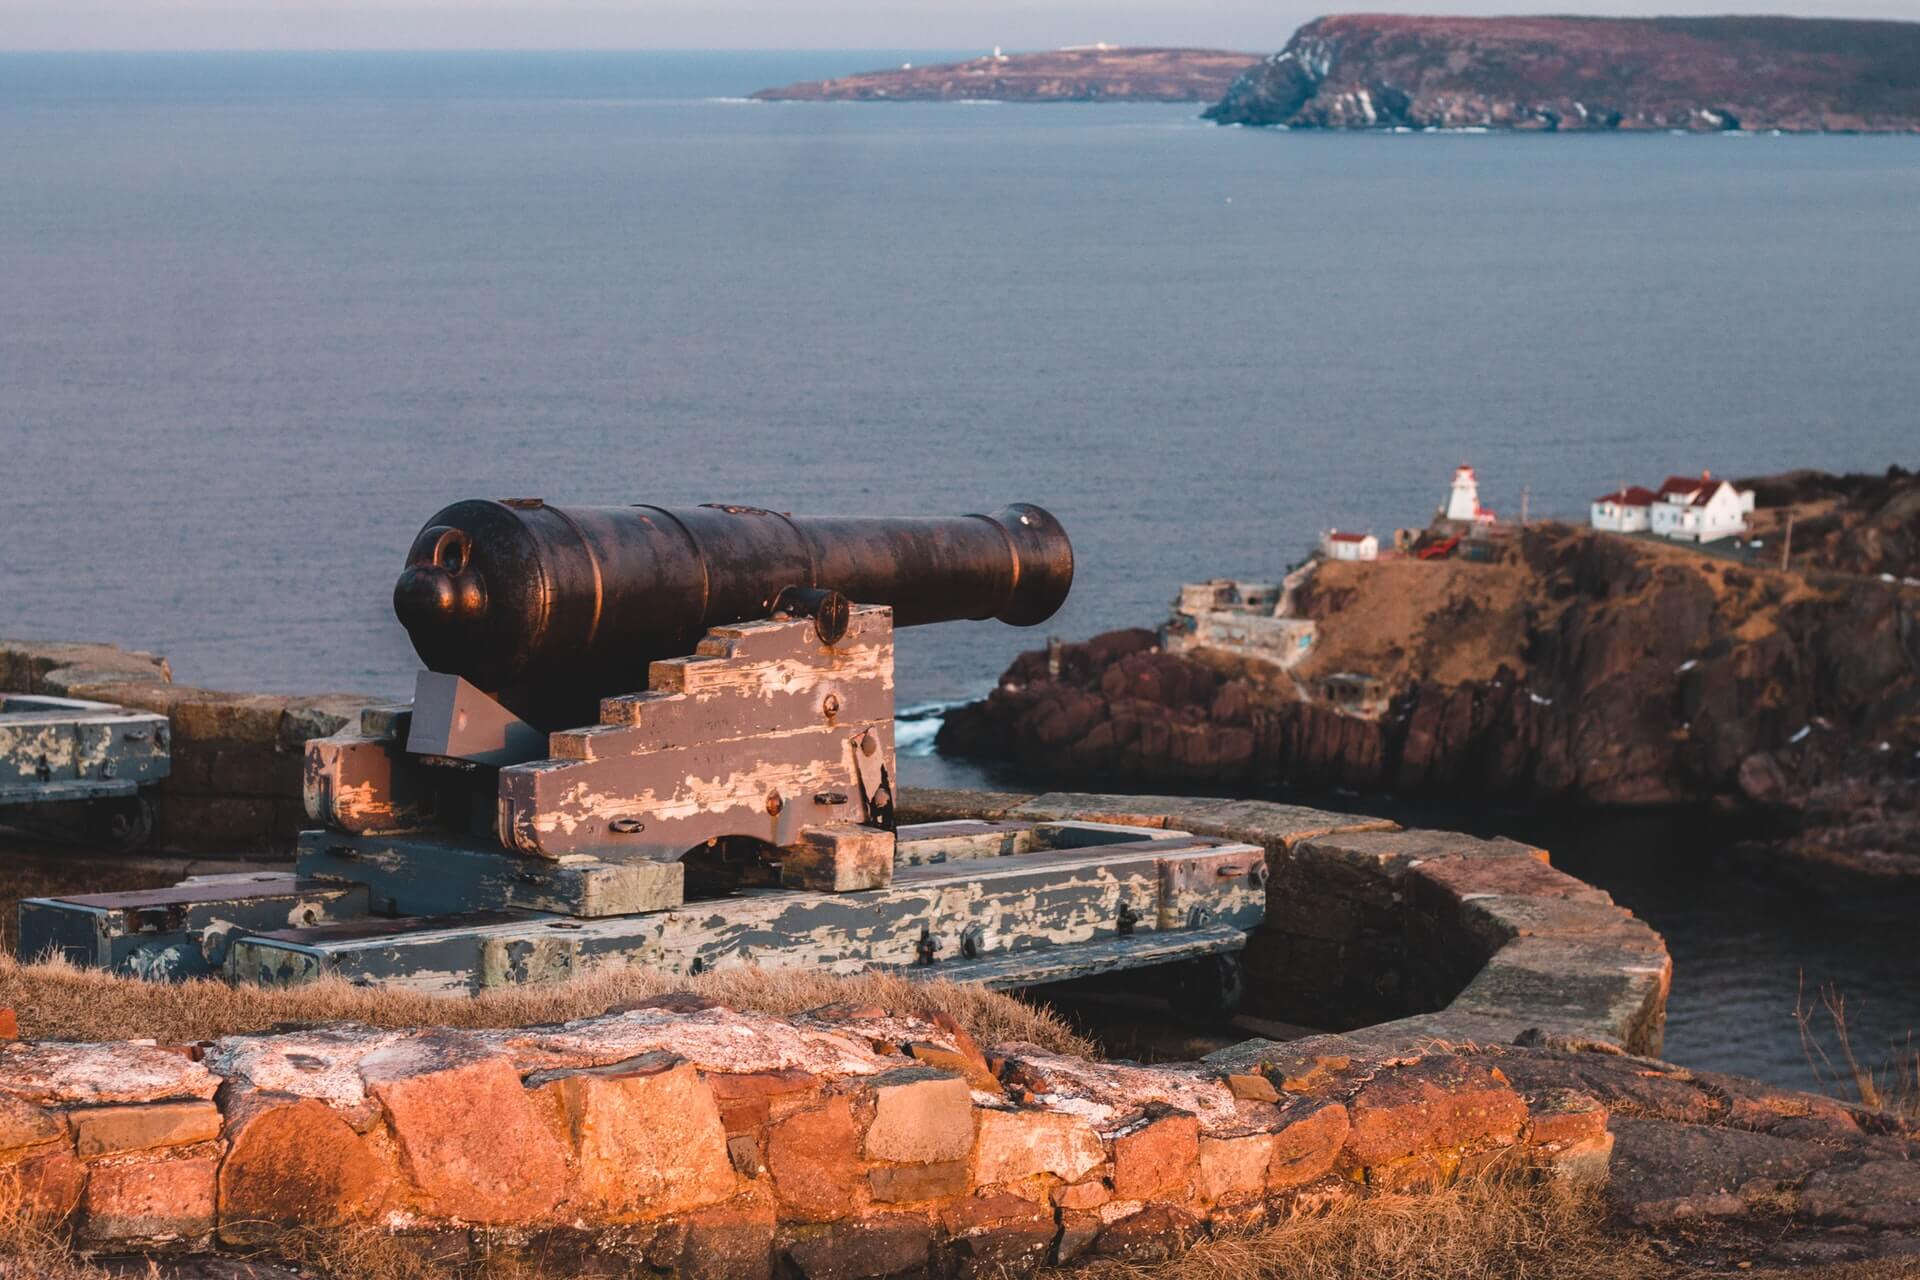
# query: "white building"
[1463,501]
[1626,510]
[1702,510]
[1335,545]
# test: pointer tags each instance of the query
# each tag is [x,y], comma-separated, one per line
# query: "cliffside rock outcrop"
[1562,73]
[1616,672]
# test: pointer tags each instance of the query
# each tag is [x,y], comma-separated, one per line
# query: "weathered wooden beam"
[69,749]
[838,859]
[1048,899]
[1059,964]
[764,731]
[180,931]
[438,873]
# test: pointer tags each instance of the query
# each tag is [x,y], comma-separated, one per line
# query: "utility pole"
[1526,492]
[1786,544]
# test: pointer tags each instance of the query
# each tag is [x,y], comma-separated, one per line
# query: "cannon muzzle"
[519,596]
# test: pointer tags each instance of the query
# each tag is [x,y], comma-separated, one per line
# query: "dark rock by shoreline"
[1096,74]
[1372,71]
[1584,669]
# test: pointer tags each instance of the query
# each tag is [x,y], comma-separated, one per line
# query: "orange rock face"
[46,1187]
[921,1117]
[470,1141]
[648,1138]
[1020,1144]
[150,1200]
[299,1164]
[107,1130]
[815,1162]
[1157,1159]
[1307,1148]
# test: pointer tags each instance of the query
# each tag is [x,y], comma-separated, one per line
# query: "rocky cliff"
[1378,71]
[1582,668]
[1097,74]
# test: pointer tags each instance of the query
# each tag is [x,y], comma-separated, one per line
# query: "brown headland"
[1096,73]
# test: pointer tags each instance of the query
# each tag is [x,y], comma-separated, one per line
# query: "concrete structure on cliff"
[1246,619]
[1336,545]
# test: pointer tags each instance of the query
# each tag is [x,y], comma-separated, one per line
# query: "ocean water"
[260,315]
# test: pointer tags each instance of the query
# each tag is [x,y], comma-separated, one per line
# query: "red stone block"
[149,1201]
[648,1138]
[1020,1144]
[999,1235]
[887,1245]
[1157,1159]
[746,1099]
[1235,1167]
[732,1241]
[902,1183]
[298,1164]
[1563,1115]
[107,1130]
[22,1124]
[920,1116]
[470,1140]
[44,1187]
[1438,1104]
[1308,1146]
[815,1162]
[1155,1234]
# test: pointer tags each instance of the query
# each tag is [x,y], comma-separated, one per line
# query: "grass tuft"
[1493,1226]
[1893,1086]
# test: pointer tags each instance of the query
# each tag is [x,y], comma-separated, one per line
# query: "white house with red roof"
[1684,508]
[1628,509]
[1335,545]
[1701,510]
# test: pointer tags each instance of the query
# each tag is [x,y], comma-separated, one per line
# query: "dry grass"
[1892,1086]
[1494,1226]
[1444,620]
[57,1001]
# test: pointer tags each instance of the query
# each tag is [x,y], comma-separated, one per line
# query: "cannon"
[665,736]
[538,602]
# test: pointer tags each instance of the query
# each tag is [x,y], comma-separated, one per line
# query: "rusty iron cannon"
[537,602]
[665,736]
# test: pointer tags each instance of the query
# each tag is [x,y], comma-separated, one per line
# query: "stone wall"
[1403,932]
[845,1142]
[237,757]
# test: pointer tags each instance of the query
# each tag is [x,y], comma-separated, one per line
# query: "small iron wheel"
[124,825]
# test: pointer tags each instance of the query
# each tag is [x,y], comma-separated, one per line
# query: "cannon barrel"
[522,596]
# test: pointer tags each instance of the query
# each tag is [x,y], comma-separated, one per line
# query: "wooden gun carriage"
[60,755]
[665,737]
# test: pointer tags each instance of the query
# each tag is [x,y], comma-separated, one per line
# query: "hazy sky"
[615,24]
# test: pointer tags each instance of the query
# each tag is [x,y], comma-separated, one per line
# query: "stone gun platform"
[693,1139]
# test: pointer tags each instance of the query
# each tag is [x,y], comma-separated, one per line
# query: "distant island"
[1372,71]
[1095,73]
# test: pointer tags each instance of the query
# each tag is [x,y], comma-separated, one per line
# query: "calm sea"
[260,315]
